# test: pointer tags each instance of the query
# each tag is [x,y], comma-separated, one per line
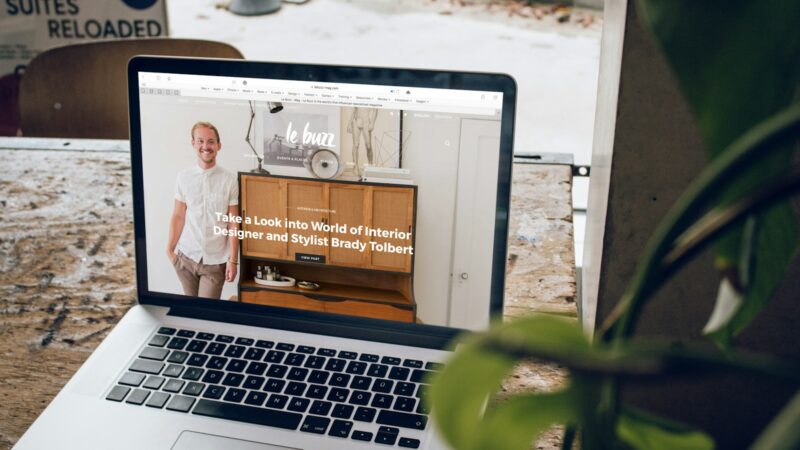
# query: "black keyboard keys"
[387,435]
[320,407]
[342,411]
[365,436]
[408,443]
[234,395]
[399,419]
[341,428]
[364,414]
[249,414]
[316,425]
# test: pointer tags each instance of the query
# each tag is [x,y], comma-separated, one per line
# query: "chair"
[80,91]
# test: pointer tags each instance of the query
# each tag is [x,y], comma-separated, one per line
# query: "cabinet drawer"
[346,307]
[282,299]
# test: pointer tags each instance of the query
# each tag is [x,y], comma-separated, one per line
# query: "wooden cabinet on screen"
[356,240]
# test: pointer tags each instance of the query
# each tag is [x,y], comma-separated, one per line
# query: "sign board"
[28,27]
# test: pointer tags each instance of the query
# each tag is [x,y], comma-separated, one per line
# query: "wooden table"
[66,250]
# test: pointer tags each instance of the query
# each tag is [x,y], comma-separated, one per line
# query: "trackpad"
[190,440]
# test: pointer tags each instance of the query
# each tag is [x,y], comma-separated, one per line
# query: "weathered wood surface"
[66,252]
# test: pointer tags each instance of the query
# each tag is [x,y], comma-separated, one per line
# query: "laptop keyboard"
[295,387]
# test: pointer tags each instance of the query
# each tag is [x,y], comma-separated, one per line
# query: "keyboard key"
[364,414]
[192,374]
[434,366]
[233,379]
[159,340]
[422,391]
[335,365]
[249,414]
[365,436]
[214,392]
[318,376]
[367,357]
[399,373]
[194,388]
[403,388]
[317,391]
[213,376]
[236,365]
[217,362]
[295,359]
[137,397]
[421,376]
[205,336]
[360,398]
[146,366]
[196,346]
[253,383]
[295,388]
[320,407]
[264,344]
[348,355]
[173,370]
[378,370]
[256,368]
[298,404]
[235,395]
[174,386]
[153,382]
[386,438]
[255,398]
[341,428]
[197,359]
[254,354]
[384,386]
[234,351]
[118,393]
[274,385]
[157,400]
[399,419]
[361,383]
[166,330]
[277,371]
[405,404]
[306,349]
[340,379]
[274,356]
[245,341]
[356,368]
[186,333]
[177,343]
[277,401]
[342,411]
[316,425]
[215,348]
[382,401]
[224,338]
[408,443]
[338,395]
[297,374]
[132,379]
[285,346]
[180,403]
[178,357]
[413,363]
[314,362]
[326,352]
[392,361]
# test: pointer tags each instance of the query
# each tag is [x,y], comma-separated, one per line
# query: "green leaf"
[517,422]
[471,378]
[645,431]
[783,433]
[735,72]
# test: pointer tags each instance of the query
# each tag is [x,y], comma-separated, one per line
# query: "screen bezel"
[418,335]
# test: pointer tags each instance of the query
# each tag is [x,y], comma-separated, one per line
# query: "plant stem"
[769,135]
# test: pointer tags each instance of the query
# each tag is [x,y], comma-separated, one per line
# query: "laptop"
[309,240]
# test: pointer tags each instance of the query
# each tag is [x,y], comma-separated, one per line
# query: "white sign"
[28,27]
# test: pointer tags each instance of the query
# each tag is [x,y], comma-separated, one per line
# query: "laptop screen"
[369,201]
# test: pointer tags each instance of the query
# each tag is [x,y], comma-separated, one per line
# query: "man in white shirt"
[203,260]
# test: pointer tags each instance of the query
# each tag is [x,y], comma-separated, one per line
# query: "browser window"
[363,200]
